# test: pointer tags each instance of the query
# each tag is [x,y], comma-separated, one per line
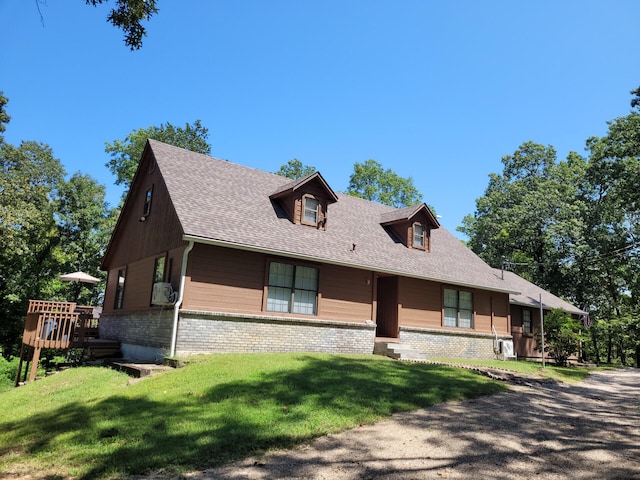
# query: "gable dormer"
[412,225]
[306,200]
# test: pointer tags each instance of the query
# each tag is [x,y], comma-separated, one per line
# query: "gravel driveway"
[589,430]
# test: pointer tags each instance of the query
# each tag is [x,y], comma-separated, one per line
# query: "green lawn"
[93,422]
[564,374]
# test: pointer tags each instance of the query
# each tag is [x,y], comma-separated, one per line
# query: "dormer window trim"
[309,215]
[419,236]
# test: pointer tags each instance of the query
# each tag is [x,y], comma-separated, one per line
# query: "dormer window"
[310,211]
[411,225]
[419,233]
[306,201]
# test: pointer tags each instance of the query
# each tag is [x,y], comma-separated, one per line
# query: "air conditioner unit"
[507,350]
[163,294]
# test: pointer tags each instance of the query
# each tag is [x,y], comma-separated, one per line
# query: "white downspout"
[176,306]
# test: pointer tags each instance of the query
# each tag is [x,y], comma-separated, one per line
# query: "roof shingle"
[225,203]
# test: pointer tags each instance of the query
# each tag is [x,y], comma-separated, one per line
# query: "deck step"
[399,351]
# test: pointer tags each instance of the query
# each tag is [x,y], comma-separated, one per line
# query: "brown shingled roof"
[223,203]
[529,295]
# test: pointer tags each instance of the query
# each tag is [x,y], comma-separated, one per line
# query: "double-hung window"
[526,321]
[458,308]
[419,236]
[292,289]
[311,207]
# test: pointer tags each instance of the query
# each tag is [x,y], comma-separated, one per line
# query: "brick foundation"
[461,344]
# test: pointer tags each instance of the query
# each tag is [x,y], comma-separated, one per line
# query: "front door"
[387,311]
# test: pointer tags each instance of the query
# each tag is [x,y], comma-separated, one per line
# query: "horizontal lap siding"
[421,303]
[346,294]
[159,232]
[482,307]
[501,312]
[222,279]
[138,285]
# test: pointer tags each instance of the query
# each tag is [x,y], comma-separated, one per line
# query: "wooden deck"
[59,325]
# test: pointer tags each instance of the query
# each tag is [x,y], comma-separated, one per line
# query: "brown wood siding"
[134,239]
[227,280]
[421,303]
[482,316]
[110,291]
[525,343]
[347,294]
[138,285]
[224,280]
[501,312]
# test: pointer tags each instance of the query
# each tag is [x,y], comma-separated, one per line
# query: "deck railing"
[58,329]
[56,325]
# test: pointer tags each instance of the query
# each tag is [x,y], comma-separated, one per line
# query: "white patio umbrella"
[79,277]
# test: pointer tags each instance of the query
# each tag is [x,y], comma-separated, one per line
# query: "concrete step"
[399,351]
[137,369]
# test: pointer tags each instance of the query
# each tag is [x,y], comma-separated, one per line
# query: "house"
[525,312]
[211,256]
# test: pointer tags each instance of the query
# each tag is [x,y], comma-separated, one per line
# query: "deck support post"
[34,363]
[22,348]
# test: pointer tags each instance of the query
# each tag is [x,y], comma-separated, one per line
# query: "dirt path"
[590,430]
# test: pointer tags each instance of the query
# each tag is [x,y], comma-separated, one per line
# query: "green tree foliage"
[48,227]
[30,178]
[125,154]
[4,116]
[371,181]
[128,15]
[295,169]
[562,336]
[572,227]
[85,224]
[529,215]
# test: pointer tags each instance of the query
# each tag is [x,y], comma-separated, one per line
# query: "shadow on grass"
[216,424]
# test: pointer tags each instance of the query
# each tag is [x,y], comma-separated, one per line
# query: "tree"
[371,181]
[85,224]
[562,336]
[528,215]
[295,169]
[125,154]
[4,116]
[30,177]
[128,16]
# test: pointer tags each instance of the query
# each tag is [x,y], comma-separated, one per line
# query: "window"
[458,308]
[419,236]
[117,304]
[310,214]
[147,202]
[158,270]
[526,321]
[292,289]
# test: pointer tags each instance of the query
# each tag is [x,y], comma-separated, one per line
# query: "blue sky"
[435,90]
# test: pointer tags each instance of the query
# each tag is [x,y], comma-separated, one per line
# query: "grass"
[92,422]
[563,374]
